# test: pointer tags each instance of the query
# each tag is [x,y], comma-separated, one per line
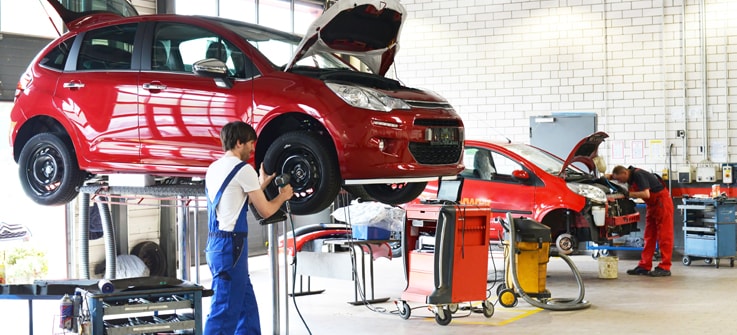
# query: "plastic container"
[599,214]
[608,266]
[366,232]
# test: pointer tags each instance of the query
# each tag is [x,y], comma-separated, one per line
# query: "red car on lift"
[567,195]
[148,94]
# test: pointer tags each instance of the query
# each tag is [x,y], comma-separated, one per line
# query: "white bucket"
[599,214]
[608,267]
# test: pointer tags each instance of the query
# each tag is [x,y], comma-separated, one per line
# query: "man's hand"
[265,179]
[286,192]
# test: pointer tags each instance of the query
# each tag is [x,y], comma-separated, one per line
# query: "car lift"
[181,196]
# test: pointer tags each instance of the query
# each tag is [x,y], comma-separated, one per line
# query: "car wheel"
[48,169]
[312,166]
[565,243]
[394,194]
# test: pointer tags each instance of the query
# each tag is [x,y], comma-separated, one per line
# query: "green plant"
[24,264]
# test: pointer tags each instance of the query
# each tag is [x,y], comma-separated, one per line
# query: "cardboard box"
[366,232]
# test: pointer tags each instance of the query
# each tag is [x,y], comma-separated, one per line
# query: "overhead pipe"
[684,81]
[704,97]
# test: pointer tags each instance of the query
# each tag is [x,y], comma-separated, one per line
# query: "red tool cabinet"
[450,265]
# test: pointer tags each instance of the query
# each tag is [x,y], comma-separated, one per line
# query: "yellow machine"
[526,256]
[532,256]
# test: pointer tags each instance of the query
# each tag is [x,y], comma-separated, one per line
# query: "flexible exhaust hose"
[109,233]
[558,304]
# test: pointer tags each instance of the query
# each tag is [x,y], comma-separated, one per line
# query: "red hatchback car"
[567,195]
[123,93]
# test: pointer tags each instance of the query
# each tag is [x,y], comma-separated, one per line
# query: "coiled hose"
[555,304]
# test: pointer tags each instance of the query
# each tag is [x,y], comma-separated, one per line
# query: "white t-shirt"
[235,194]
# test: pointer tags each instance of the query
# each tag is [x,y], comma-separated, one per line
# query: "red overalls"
[658,229]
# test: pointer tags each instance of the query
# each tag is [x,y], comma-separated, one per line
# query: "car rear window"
[57,57]
[108,48]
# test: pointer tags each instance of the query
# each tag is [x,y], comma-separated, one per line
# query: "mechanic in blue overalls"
[230,183]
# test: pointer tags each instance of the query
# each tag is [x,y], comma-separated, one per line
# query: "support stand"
[274,266]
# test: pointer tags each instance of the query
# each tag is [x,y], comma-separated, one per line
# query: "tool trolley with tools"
[709,229]
[446,247]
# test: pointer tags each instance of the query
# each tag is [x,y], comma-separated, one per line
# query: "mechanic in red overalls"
[230,183]
[658,218]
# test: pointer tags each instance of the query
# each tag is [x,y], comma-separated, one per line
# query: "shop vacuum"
[526,256]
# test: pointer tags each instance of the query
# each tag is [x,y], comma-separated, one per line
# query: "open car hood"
[584,152]
[366,29]
[79,13]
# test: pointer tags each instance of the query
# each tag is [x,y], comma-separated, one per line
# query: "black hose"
[558,304]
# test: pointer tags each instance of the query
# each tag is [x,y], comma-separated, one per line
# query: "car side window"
[109,48]
[504,166]
[176,47]
[57,57]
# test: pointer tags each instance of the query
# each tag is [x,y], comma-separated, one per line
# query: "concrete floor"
[696,299]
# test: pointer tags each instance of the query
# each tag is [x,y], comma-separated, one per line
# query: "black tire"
[405,311]
[394,194]
[445,319]
[500,288]
[151,255]
[48,169]
[488,308]
[507,298]
[311,163]
[686,260]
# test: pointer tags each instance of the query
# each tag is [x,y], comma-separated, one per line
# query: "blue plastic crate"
[365,232]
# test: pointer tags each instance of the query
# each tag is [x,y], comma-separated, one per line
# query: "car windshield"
[544,160]
[279,47]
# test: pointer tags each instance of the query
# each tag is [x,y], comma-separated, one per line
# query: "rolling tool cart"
[709,229]
[446,248]
[143,306]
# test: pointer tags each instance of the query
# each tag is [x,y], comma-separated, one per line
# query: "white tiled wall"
[500,62]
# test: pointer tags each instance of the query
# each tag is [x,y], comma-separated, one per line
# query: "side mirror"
[520,175]
[215,69]
[210,68]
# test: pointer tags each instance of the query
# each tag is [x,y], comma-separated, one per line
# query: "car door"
[489,180]
[181,113]
[97,93]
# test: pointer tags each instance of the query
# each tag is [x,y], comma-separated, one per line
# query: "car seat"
[159,57]
[482,165]
[217,50]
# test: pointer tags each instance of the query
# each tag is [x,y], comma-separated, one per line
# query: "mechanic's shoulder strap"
[226,182]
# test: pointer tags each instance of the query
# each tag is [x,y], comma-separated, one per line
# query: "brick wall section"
[500,62]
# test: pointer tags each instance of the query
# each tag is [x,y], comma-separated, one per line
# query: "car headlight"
[595,194]
[367,98]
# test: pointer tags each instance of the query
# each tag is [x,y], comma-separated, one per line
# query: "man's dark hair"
[236,131]
[618,169]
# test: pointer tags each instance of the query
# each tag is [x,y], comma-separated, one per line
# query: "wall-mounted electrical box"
[685,174]
[727,177]
[708,174]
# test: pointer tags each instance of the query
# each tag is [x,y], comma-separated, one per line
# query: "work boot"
[638,271]
[659,272]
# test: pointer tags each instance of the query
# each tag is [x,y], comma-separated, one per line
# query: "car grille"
[428,104]
[428,153]
[438,122]
[434,152]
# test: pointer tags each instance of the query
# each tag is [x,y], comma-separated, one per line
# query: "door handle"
[73,85]
[154,86]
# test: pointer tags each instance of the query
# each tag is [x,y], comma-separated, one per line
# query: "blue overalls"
[233,309]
